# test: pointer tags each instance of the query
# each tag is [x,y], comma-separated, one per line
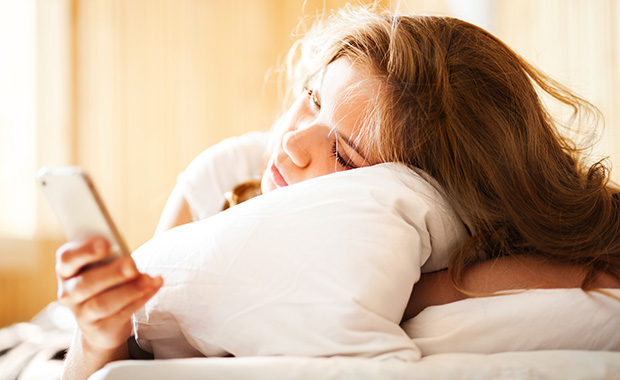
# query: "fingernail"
[99,247]
[127,269]
[158,281]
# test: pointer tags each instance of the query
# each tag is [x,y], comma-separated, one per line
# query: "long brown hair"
[459,104]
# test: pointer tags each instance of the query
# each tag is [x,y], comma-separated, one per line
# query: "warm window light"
[17,118]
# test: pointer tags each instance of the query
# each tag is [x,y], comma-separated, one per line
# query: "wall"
[27,286]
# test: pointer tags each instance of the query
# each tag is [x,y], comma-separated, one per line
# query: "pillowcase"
[528,320]
[324,267]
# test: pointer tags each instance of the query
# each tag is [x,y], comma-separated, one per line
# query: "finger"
[71,257]
[114,330]
[114,301]
[126,312]
[93,281]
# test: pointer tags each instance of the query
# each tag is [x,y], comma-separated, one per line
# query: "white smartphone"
[78,206]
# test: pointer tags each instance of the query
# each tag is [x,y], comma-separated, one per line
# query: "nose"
[298,143]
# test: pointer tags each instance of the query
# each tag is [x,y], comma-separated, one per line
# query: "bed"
[48,334]
[328,307]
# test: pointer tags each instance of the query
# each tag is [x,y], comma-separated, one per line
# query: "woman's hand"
[102,295]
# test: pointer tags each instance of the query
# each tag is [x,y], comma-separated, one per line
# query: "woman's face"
[319,134]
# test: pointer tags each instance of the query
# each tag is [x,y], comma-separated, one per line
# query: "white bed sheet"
[535,365]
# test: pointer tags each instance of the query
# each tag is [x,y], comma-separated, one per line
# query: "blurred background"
[132,90]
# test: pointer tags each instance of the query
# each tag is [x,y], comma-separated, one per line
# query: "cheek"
[323,164]
[328,167]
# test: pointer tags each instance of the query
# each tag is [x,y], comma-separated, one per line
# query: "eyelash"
[313,98]
[344,163]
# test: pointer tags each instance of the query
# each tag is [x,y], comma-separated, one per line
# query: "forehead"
[343,79]
[348,93]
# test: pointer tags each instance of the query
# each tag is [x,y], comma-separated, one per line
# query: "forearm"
[83,360]
[432,289]
[176,212]
[503,274]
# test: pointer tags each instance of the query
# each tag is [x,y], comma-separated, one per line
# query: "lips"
[276,176]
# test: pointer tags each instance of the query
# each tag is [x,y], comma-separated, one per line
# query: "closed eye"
[342,161]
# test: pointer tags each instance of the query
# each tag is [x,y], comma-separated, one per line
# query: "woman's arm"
[83,360]
[102,295]
[176,212]
[507,273]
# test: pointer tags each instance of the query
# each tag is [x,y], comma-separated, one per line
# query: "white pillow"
[536,319]
[321,268]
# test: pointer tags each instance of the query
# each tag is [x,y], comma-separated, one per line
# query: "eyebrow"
[320,74]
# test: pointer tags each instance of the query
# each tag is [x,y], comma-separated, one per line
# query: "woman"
[434,93]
